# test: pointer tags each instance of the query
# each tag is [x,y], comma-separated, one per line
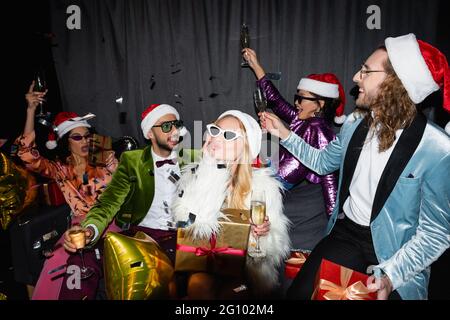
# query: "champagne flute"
[245,42]
[78,238]
[260,100]
[40,85]
[258,215]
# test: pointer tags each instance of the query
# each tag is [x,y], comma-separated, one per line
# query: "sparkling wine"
[258,212]
[260,100]
[39,84]
[78,238]
[245,42]
[245,38]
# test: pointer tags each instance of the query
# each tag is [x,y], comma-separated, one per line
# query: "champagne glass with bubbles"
[40,85]
[258,215]
[245,42]
[260,100]
[78,238]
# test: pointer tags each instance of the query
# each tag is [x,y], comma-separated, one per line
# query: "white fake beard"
[203,196]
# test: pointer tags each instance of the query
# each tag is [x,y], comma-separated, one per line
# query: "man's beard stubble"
[163,145]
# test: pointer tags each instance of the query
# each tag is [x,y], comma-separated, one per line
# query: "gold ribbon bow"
[357,291]
[297,258]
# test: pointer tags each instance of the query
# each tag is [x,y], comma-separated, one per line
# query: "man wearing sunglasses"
[392,214]
[141,192]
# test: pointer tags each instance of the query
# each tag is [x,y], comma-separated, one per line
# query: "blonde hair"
[241,180]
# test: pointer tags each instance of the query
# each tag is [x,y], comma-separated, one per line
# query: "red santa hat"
[421,68]
[152,114]
[326,85]
[64,122]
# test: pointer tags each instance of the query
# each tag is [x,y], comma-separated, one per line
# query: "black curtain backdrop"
[192,49]
[187,52]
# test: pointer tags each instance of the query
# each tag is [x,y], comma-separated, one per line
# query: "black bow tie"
[163,162]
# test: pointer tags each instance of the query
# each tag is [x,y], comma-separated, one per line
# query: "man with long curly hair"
[392,215]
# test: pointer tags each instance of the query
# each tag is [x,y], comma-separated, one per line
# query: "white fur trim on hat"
[447,128]
[150,119]
[324,89]
[410,66]
[254,132]
[73,123]
[68,125]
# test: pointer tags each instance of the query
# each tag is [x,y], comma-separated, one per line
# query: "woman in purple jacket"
[310,197]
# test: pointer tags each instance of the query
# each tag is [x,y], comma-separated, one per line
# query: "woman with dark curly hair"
[80,183]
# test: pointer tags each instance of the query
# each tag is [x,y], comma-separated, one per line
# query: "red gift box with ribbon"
[222,254]
[335,282]
[295,263]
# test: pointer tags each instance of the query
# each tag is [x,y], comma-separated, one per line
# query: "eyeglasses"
[300,98]
[166,126]
[362,71]
[79,137]
[229,135]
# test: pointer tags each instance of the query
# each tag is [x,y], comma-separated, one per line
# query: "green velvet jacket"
[129,195]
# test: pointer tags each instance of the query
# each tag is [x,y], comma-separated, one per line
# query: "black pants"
[349,244]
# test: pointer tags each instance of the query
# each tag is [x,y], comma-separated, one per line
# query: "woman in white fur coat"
[225,179]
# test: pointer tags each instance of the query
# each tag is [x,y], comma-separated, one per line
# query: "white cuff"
[285,140]
[93,226]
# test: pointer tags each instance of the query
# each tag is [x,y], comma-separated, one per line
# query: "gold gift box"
[228,255]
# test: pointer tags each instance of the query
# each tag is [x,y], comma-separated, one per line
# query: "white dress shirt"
[368,171]
[159,215]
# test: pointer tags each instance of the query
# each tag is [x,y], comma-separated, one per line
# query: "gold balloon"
[3,296]
[135,268]
[16,190]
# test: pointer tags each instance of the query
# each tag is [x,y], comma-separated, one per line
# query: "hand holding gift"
[335,282]
[382,286]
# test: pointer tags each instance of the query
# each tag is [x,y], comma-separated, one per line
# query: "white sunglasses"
[229,135]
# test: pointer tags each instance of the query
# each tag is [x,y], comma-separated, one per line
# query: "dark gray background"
[191,48]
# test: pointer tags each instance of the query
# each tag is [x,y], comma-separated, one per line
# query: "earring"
[319,113]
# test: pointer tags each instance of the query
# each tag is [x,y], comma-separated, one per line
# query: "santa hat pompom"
[183,131]
[340,119]
[51,142]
